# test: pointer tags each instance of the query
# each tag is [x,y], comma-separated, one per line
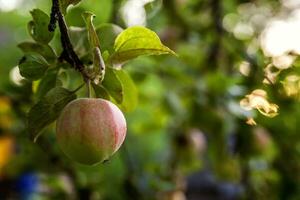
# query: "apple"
[90,130]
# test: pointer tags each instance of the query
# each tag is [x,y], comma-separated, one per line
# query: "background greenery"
[188,137]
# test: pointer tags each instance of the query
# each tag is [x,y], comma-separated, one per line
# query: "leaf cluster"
[103,50]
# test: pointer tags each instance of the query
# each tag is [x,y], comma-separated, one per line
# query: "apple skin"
[90,130]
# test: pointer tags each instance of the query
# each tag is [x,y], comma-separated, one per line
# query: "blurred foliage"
[188,137]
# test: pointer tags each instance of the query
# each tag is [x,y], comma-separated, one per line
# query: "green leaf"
[93,37]
[78,36]
[136,41]
[101,92]
[107,34]
[113,85]
[130,93]
[45,50]
[64,4]
[48,82]
[38,27]
[98,62]
[48,109]
[33,66]
[121,88]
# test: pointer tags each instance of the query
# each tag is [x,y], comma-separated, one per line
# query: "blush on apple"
[90,130]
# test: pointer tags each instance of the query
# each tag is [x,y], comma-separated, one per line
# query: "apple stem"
[88,84]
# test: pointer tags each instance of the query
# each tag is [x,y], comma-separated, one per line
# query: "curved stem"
[76,90]
[88,84]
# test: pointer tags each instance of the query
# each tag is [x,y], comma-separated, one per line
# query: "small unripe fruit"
[90,130]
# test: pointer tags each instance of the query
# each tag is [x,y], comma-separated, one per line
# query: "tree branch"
[68,53]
